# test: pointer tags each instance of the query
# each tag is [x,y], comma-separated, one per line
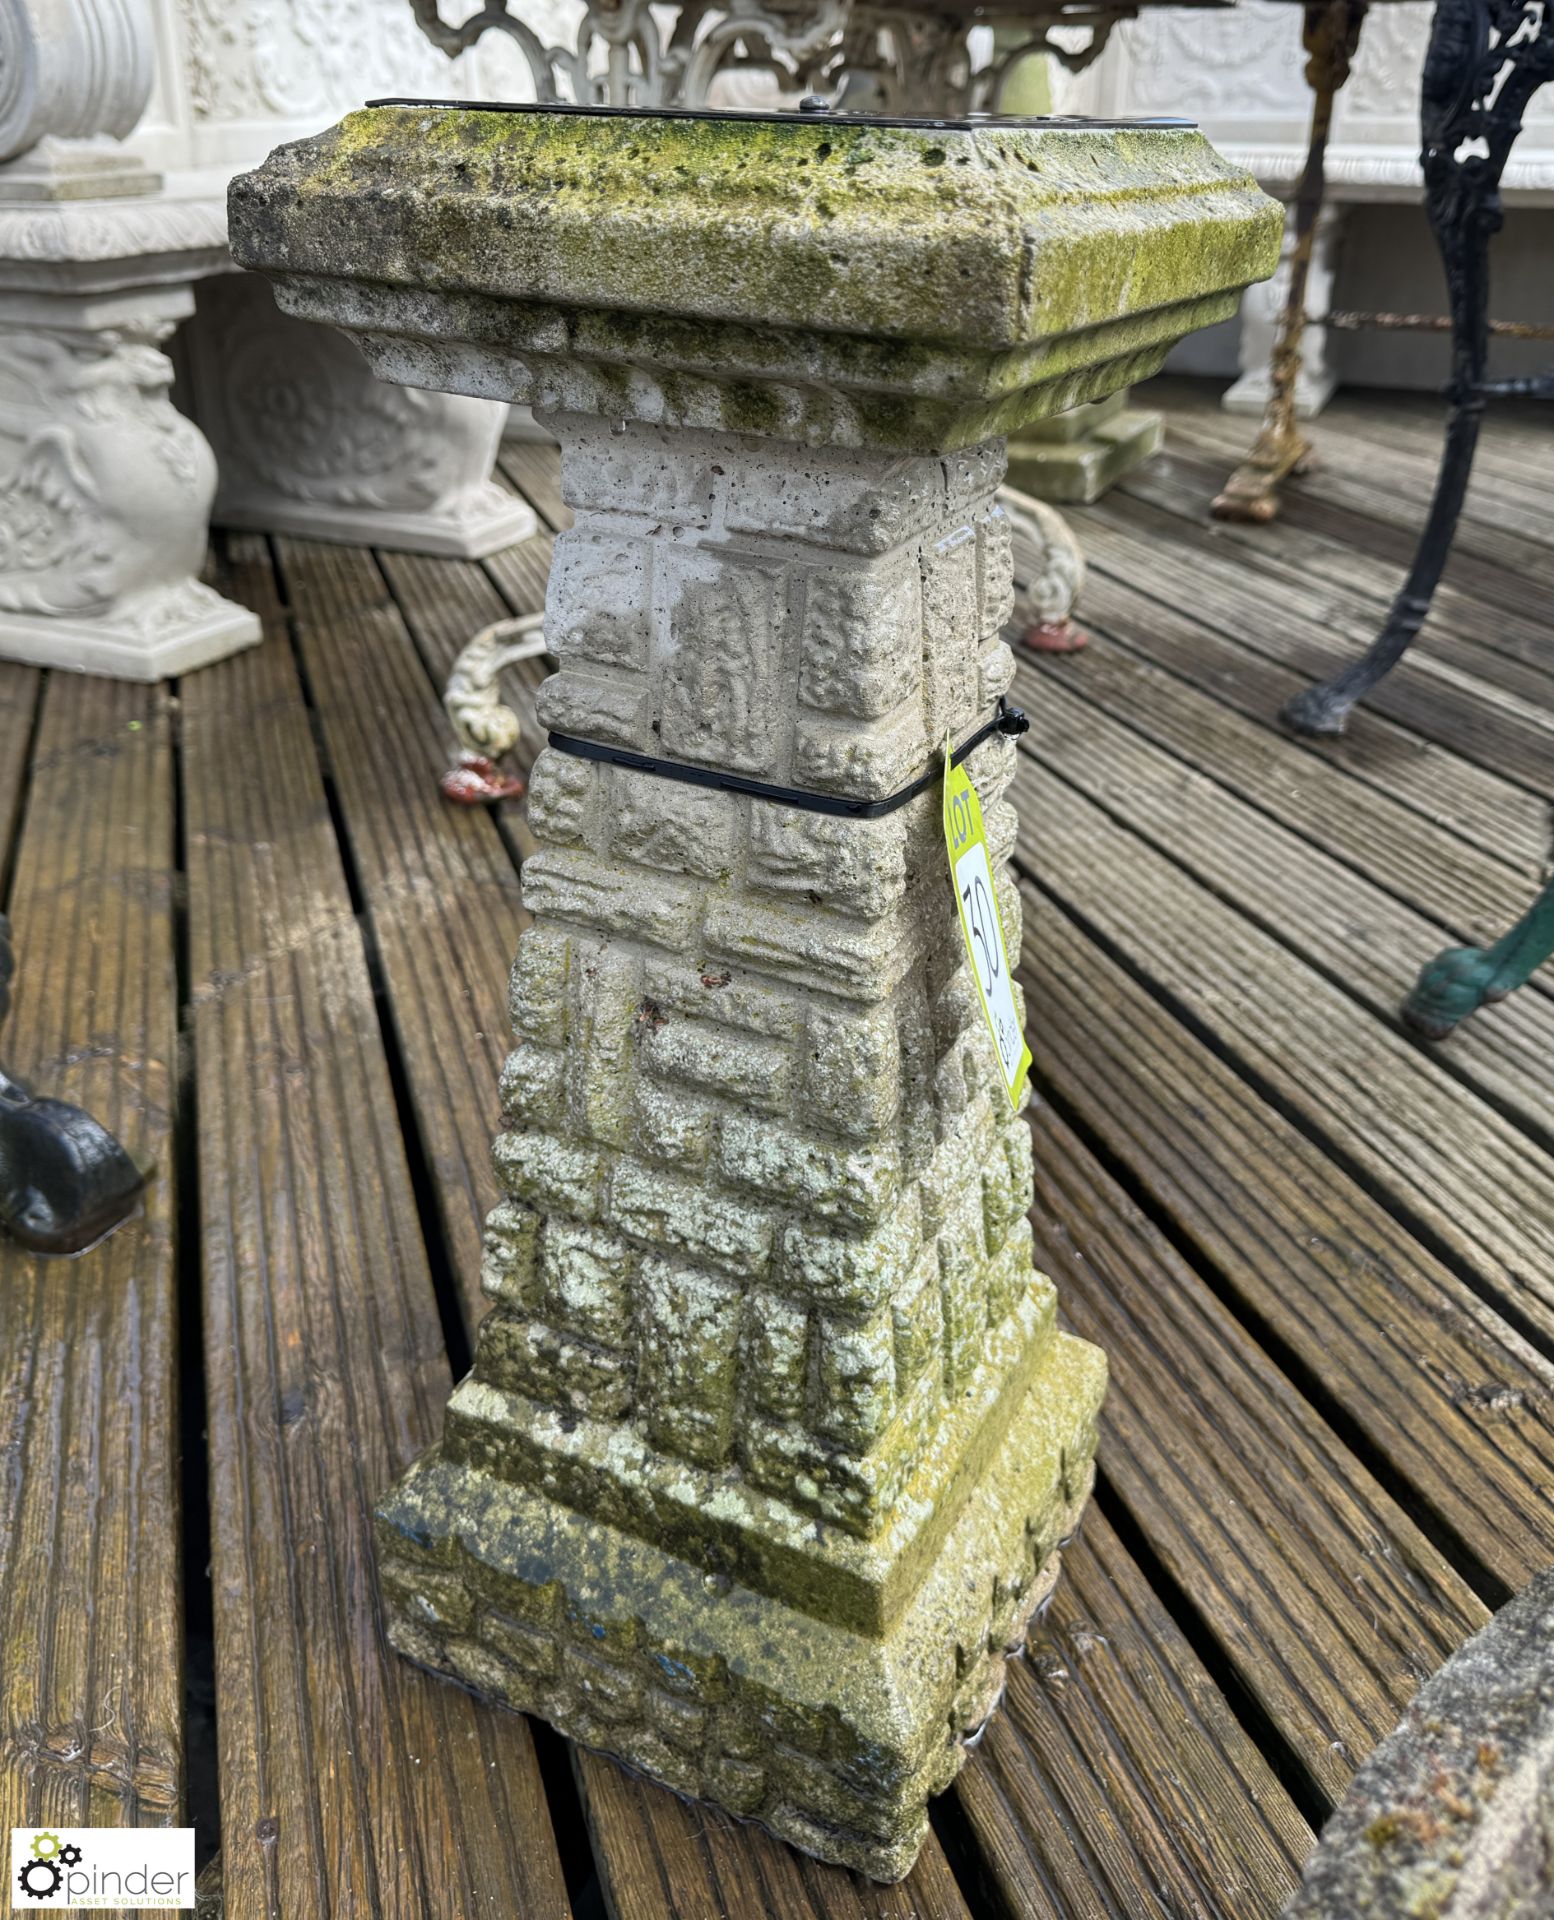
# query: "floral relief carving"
[55,557]
[96,467]
[296,59]
[1227,68]
[291,429]
[296,416]
[1385,80]
[98,459]
[1232,62]
[71,231]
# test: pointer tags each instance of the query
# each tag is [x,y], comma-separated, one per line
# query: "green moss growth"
[990,237]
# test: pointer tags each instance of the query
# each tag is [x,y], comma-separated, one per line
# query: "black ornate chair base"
[65,1181]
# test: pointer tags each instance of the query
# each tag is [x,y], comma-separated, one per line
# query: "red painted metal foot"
[476,781]
[1054,636]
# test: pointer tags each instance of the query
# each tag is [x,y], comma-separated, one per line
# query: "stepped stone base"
[1075,456]
[833,1738]
[163,634]
[486,520]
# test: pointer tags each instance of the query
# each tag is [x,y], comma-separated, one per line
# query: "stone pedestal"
[105,487]
[1077,455]
[1261,311]
[771,1440]
[771,1437]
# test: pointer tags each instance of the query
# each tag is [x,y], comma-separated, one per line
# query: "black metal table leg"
[1485,61]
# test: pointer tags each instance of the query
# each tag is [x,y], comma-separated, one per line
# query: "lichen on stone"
[862,284]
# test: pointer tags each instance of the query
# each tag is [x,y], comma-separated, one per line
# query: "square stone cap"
[817,276]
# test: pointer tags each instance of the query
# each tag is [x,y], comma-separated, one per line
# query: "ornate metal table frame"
[1485,61]
[1331,35]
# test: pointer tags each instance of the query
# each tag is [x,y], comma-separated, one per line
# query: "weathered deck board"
[1393,442]
[436,882]
[1462,625]
[1317,1252]
[1354,933]
[1329,1604]
[534,469]
[1116,1782]
[1367,422]
[661,1855]
[1494,817]
[91,1685]
[444,603]
[1280,614]
[1429,1379]
[1408,853]
[20,691]
[1515,448]
[349,1781]
[1443,1156]
[1498,563]
[520,573]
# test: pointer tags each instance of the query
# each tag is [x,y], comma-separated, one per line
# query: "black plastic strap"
[1007,720]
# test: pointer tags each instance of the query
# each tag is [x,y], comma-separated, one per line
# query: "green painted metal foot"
[1460,980]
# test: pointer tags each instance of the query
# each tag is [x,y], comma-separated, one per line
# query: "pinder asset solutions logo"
[123,1867]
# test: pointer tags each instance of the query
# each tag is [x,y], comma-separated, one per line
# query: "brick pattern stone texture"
[767,1194]
[763,1260]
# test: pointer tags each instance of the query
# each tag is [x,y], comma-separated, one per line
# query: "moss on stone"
[834,1737]
[1027,267]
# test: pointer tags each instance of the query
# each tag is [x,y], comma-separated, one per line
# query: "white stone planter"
[310,443]
[307,442]
[105,489]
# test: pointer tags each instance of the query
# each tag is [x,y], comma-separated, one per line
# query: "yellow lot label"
[972,873]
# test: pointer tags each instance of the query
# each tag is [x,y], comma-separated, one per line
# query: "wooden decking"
[1319,1254]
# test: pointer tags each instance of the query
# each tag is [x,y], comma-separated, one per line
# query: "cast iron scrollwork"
[1485,61]
[876,57]
[644,65]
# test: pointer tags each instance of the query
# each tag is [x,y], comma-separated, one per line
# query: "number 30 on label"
[973,876]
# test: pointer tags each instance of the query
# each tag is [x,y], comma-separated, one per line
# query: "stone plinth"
[771,1439]
[105,488]
[1076,456]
